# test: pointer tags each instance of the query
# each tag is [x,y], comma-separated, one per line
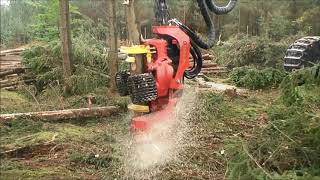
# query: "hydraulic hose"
[205,6]
[210,28]
[197,66]
[221,10]
[196,41]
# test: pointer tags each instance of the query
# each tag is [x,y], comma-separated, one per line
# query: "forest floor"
[92,148]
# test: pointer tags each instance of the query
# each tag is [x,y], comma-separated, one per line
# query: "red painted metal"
[168,81]
[183,41]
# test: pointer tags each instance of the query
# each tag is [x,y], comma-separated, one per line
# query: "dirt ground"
[93,148]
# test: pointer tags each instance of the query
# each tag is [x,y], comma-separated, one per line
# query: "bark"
[11,58]
[12,71]
[134,36]
[113,41]
[132,25]
[64,114]
[19,50]
[65,36]
[15,82]
[209,65]
[221,88]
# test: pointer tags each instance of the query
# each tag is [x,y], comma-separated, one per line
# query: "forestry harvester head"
[156,87]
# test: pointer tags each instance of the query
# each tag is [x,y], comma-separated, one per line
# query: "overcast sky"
[4,2]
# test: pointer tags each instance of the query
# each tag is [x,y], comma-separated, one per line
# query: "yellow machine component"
[131,59]
[139,108]
[137,49]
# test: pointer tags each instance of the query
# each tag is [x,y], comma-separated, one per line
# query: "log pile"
[11,69]
[210,68]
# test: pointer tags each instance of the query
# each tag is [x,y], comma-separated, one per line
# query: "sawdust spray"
[169,138]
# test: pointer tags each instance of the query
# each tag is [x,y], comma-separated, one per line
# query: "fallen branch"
[64,114]
[27,151]
[30,150]
[256,162]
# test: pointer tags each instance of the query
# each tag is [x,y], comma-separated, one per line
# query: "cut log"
[12,51]
[9,84]
[209,65]
[11,88]
[214,68]
[9,63]
[215,72]
[206,62]
[204,57]
[16,82]
[207,57]
[64,114]
[221,88]
[12,77]
[9,67]
[12,71]
[13,58]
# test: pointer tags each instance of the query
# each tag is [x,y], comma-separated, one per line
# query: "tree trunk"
[63,114]
[131,22]
[66,44]
[138,67]
[134,36]
[113,41]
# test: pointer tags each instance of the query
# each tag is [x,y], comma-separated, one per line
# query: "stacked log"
[11,69]
[209,67]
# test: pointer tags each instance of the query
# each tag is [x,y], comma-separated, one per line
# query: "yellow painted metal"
[137,49]
[149,57]
[139,108]
[131,59]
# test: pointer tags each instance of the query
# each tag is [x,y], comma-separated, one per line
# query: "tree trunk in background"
[66,44]
[131,22]
[293,14]
[134,36]
[113,41]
